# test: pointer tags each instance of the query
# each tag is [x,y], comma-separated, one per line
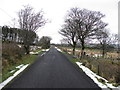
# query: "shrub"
[117,74]
[11,53]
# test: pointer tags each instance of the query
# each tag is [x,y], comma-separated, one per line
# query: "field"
[93,53]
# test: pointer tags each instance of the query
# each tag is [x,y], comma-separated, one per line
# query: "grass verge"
[74,60]
[27,59]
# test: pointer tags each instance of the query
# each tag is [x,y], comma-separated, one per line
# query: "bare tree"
[70,34]
[118,40]
[29,21]
[103,38]
[108,42]
[115,41]
[87,23]
[63,41]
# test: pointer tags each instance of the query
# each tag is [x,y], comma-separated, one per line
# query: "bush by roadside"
[10,68]
[11,54]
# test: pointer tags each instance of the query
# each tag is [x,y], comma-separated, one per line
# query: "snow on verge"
[94,77]
[58,49]
[45,50]
[43,54]
[12,71]
[20,66]
[11,77]
[33,53]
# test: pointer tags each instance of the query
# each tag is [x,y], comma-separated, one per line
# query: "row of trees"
[17,35]
[44,42]
[82,25]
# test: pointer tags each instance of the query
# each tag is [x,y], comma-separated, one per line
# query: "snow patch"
[58,49]
[118,87]
[69,52]
[45,50]
[33,53]
[77,50]
[43,54]
[39,47]
[11,77]
[94,77]
[20,66]
[20,46]
[97,55]
[34,47]
[12,71]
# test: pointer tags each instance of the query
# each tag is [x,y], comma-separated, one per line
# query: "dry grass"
[11,54]
[92,52]
[107,68]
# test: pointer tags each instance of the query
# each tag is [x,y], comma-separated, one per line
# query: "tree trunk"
[103,49]
[118,52]
[82,50]
[103,52]
[74,49]
[27,47]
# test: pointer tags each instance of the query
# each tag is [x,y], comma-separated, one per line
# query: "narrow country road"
[52,70]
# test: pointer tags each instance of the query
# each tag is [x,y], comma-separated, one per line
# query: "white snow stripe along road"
[45,51]
[58,49]
[94,77]
[11,77]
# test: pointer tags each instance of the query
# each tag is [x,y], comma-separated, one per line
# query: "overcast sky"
[55,11]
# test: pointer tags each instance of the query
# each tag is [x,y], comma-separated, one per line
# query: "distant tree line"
[17,35]
[44,42]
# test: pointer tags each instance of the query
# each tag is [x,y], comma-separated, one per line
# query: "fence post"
[98,69]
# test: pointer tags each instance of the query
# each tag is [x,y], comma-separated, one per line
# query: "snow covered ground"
[22,67]
[58,49]
[33,53]
[45,50]
[31,47]
[97,55]
[95,78]
[12,71]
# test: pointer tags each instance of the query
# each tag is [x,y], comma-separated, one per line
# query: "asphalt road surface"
[52,70]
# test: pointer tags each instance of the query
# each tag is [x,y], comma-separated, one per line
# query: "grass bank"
[106,68]
[11,69]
